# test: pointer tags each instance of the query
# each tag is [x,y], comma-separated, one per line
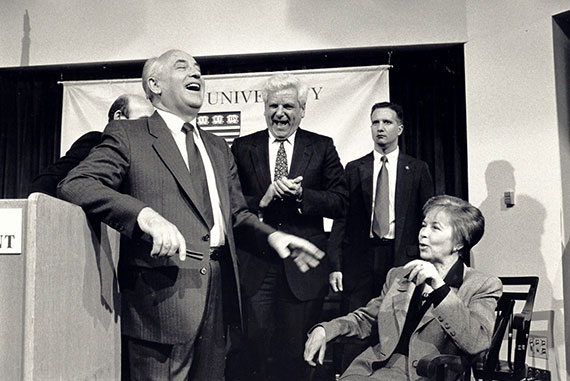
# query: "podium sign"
[11,231]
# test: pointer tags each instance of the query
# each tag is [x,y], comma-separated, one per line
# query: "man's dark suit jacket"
[46,182]
[350,235]
[138,164]
[324,195]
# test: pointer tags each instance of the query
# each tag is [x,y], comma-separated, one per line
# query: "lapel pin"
[407,167]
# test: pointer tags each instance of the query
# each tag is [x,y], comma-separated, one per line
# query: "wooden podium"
[59,312]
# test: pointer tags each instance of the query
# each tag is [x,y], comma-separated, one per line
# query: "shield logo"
[223,124]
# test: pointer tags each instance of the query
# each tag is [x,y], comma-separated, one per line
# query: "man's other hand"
[335,280]
[268,197]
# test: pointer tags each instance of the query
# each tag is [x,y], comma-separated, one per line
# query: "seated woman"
[433,305]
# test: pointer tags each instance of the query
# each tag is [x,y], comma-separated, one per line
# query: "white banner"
[338,106]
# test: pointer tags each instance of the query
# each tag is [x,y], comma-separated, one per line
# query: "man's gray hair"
[151,68]
[282,81]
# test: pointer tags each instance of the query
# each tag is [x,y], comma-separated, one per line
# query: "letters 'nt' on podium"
[59,317]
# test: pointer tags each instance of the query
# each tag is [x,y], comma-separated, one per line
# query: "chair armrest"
[447,367]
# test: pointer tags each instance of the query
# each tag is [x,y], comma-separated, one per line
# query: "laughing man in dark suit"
[293,178]
[166,185]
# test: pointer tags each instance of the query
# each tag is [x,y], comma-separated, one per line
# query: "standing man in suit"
[292,178]
[126,106]
[380,228]
[165,185]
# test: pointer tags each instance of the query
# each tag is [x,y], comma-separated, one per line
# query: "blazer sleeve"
[330,199]
[470,324]
[362,321]
[94,184]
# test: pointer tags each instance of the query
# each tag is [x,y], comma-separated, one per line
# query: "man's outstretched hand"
[304,254]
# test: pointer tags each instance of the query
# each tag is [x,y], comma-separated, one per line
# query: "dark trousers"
[201,359]
[380,259]
[276,330]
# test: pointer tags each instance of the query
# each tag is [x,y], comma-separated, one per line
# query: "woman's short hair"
[467,221]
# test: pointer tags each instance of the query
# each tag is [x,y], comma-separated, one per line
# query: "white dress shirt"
[392,167]
[174,124]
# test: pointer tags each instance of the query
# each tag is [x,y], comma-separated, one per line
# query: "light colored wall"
[513,129]
[562,75]
[513,144]
[73,31]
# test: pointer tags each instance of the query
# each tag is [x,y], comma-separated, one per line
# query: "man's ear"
[118,115]
[153,86]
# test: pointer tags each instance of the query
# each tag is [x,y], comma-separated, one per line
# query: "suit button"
[446,325]
[279,225]
[206,237]
[415,363]
[439,318]
[203,271]
[452,333]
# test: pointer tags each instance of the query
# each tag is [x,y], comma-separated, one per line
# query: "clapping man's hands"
[282,188]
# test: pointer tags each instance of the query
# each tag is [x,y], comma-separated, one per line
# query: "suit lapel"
[301,154]
[259,155]
[365,171]
[401,302]
[168,151]
[404,180]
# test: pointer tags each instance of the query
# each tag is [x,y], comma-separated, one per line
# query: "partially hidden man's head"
[130,106]
[173,82]
[285,98]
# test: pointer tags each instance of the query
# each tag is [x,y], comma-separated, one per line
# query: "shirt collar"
[392,156]
[173,122]
[289,140]
[454,277]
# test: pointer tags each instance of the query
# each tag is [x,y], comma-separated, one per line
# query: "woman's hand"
[424,272]
[317,342]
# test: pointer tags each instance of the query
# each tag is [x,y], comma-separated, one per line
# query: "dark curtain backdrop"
[428,81]
[432,92]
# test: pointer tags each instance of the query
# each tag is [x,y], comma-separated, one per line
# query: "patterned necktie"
[198,174]
[381,220]
[281,163]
